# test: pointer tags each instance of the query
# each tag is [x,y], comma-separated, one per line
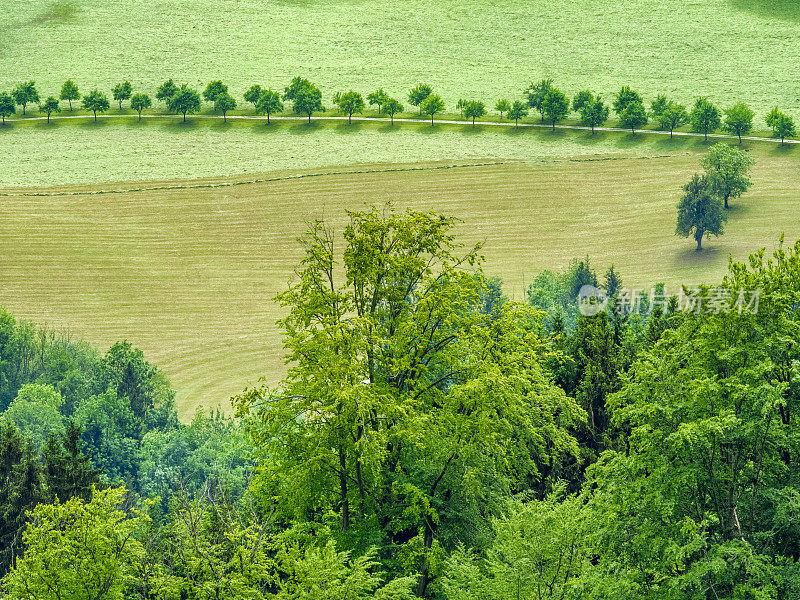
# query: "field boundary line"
[224,184]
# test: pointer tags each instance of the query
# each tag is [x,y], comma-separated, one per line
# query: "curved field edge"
[188,272]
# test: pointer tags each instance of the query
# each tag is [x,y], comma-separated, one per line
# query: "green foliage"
[555,106]
[705,117]
[474,109]
[223,103]
[166,91]
[594,113]
[658,106]
[68,470]
[20,491]
[184,100]
[581,99]
[122,91]
[78,550]
[253,94]
[50,106]
[727,169]
[35,412]
[432,105]
[672,116]
[418,94]
[782,124]
[95,101]
[391,107]
[140,102]
[738,120]
[625,97]
[536,93]
[306,97]
[349,103]
[503,105]
[700,212]
[633,116]
[772,118]
[25,93]
[268,102]
[8,105]
[69,92]
[214,90]
[378,97]
[517,111]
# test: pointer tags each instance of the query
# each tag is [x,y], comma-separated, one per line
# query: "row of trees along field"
[306,98]
[432,439]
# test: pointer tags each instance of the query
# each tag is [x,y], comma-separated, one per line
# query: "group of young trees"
[702,210]
[432,439]
[306,98]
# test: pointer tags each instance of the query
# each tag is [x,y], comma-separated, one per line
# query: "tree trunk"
[70,105]
[309,118]
[726,201]
[343,492]
[95,116]
[425,577]
[699,239]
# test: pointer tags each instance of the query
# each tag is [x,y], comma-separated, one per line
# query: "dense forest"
[432,438]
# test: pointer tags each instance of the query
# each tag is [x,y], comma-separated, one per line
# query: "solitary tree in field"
[140,102]
[535,94]
[738,120]
[418,94]
[672,116]
[349,103]
[633,117]
[307,99]
[700,213]
[95,101]
[517,111]
[581,99]
[391,107]
[185,100]
[50,106]
[7,106]
[431,105]
[25,93]
[223,103]
[625,96]
[122,91]
[727,170]
[253,94]
[555,106]
[268,102]
[594,113]
[166,91]
[378,97]
[502,106]
[704,117]
[69,92]
[214,90]
[474,109]
[784,127]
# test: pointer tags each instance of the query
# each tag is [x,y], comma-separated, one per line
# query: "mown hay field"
[188,271]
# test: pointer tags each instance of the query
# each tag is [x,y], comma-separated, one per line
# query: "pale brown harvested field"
[188,273]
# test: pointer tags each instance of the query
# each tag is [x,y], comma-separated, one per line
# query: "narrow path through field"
[406,120]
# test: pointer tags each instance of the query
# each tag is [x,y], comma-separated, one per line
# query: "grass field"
[478,49]
[188,272]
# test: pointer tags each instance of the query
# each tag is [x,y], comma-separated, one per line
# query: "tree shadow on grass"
[90,123]
[179,125]
[678,142]
[787,10]
[305,128]
[427,128]
[783,149]
[345,128]
[711,254]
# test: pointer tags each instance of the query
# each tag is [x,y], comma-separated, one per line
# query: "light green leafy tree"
[728,170]
[700,212]
[517,111]
[306,98]
[474,109]
[78,550]
[49,106]
[418,94]
[672,116]
[784,127]
[392,107]
[379,98]
[555,106]
[253,94]
[269,102]
[536,93]
[95,101]
[184,101]
[432,105]
[69,92]
[502,106]
[223,103]
[626,96]
[738,120]
[25,93]
[122,91]
[349,103]
[634,116]
[214,90]
[593,112]
[140,102]
[705,117]
[166,91]
[35,412]
[7,105]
